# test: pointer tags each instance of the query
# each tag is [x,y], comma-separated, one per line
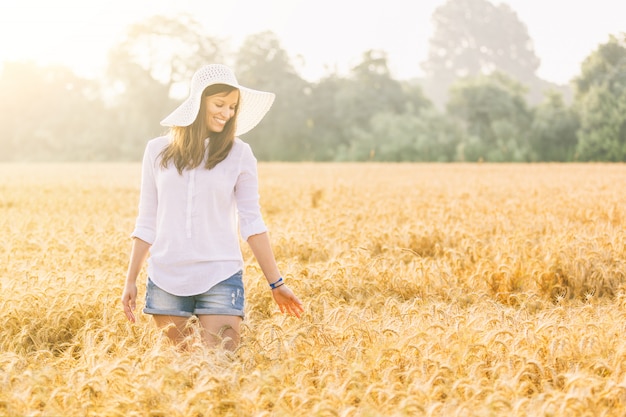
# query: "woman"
[199,190]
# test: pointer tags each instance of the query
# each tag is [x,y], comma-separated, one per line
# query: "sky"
[319,35]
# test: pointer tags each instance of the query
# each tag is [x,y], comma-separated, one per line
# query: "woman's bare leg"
[177,327]
[216,328]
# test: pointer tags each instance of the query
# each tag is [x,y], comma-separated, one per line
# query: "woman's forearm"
[284,297]
[138,255]
[262,250]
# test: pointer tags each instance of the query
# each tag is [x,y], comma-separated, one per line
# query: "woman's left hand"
[287,301]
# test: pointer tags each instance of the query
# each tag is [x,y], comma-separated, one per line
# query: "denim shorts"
[225,298]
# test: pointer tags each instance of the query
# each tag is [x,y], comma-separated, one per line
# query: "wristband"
[277,284]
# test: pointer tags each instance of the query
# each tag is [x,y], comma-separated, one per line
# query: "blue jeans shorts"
[225,299]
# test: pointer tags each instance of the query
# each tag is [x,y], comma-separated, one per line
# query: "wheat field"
[430,290]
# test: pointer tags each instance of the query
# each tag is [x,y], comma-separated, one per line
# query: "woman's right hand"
[138,255]
[129,300]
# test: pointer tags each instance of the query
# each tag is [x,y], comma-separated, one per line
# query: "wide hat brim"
[253,104]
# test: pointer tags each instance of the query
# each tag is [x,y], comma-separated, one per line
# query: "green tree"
[368,91]
[325,123]
[601,102]
[372,90]
[263,64]
[136,109]
[425,136]
[495,117]
[553,131]
[473,37]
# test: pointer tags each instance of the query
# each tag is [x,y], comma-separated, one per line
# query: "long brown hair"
[187,149]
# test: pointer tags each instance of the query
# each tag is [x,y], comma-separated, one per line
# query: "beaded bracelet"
[277,284]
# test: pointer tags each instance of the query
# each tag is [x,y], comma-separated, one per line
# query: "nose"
[227,113]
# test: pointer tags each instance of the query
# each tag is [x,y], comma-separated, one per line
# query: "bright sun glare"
[71,32]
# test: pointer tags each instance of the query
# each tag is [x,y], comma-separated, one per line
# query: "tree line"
[479,101]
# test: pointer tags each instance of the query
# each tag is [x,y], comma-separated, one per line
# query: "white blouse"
[191,220]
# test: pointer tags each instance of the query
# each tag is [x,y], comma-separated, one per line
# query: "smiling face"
[220,108]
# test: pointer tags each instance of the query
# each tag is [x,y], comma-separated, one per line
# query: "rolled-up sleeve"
[145,225]
[247,196]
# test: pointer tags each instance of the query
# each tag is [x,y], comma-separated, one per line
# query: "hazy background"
[325,33]
[322,53]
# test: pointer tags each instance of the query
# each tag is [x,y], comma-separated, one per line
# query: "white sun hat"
[253,104]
